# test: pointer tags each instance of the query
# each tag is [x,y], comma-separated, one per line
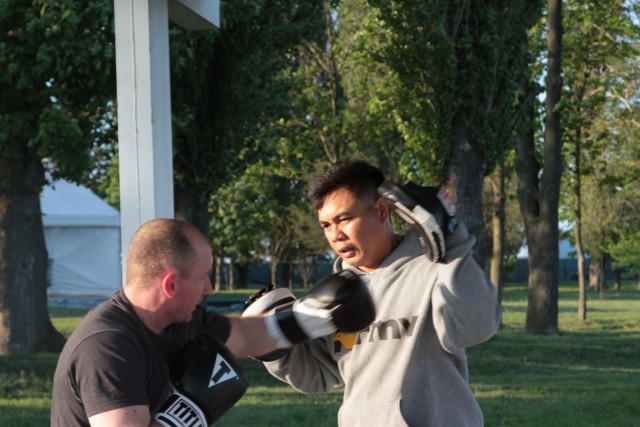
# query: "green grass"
[588,376]
[269,402]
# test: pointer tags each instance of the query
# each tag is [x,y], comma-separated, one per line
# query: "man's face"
[356,229]
[194,285]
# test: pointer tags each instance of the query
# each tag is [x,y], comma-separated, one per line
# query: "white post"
[144,114]
[144,105]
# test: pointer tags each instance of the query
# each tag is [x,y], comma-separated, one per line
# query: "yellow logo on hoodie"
[347,339]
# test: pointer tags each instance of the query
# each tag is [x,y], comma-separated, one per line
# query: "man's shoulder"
[108,321]
[112,312]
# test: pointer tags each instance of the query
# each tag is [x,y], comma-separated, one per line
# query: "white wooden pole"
[144,114]
[144,104]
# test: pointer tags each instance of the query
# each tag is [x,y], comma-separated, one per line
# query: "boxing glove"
[208,382]
[265,301]
[427,210]
[340,301]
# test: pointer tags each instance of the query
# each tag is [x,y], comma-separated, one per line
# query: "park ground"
[586,376]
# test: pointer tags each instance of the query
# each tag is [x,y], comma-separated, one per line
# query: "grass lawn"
[587,376]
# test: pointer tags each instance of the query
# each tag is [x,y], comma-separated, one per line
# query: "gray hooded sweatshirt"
[409,367]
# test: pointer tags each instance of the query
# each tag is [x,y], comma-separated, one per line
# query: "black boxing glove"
[268,300]
[340,301]
[427,210]
[208,382]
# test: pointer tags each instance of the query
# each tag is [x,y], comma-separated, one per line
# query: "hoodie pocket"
[371,414]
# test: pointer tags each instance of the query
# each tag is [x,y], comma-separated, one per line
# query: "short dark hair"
[356,175]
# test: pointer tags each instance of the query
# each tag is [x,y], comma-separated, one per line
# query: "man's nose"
[335,233]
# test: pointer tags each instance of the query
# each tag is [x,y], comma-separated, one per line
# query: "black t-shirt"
[111,360]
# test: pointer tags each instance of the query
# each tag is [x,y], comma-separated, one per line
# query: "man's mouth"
[347,251]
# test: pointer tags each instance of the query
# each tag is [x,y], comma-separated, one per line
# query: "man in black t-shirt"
[115,367]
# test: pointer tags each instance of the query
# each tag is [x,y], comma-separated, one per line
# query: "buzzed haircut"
[356,175]
[160,244]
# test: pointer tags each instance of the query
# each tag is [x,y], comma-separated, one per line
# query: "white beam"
[144,114]
[195,14]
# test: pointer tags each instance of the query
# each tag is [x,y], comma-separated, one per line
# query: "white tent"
[82,235]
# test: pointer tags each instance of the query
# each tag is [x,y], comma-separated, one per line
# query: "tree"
[226,90]
[318,127]
[262,215]
[310,244]
[624,247]
[371,89]
[539,193]
[313,128]
[459,64]
[343,99]
[234,224]
[58,78]
[599,36]
[505,231]
[341,104]
[622,177]
[600,197]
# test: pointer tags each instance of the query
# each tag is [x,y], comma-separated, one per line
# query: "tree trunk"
[597,281]
[593,282]
[25,326]
[231,275]
[602,277]
[543,234]
[577,214]
[193,208]
[582,283]
[287,278]
[498,219]
[616,279]
[539,194]
[243,275]
[217,260]
[465,176]
[304,269]
[273,271]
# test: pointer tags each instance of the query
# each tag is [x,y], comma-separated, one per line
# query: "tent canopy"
[66,204]
[82,235]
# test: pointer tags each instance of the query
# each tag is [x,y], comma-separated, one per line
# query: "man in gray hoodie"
[409,367]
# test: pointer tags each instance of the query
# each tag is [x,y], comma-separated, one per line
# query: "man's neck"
[147,308]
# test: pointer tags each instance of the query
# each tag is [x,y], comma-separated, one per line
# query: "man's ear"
[384,208]
[168,283]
